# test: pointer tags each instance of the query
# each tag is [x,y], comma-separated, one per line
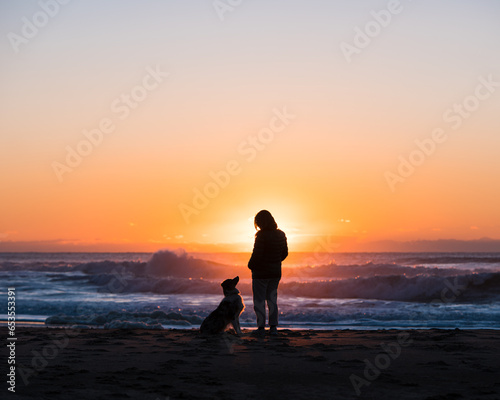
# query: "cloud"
[6,234]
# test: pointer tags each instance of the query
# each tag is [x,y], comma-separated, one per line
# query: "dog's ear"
[236,280]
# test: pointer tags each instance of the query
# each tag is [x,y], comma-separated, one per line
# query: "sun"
[240,230]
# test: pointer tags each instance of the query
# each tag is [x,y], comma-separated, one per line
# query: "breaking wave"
[125,320]
[169,272]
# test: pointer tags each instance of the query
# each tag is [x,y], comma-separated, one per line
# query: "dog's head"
[229,284]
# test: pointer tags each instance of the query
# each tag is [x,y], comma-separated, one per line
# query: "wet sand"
[305,364]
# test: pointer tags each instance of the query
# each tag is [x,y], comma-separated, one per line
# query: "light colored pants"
[265,290]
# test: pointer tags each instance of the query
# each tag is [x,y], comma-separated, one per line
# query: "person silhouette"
[269,250]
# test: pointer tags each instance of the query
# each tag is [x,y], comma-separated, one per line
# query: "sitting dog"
[228,311]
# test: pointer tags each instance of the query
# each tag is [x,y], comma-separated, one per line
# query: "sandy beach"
[301,364]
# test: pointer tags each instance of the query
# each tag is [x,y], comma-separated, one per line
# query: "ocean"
[174,289]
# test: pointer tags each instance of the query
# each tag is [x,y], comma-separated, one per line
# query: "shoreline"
[428,364]
[305,327]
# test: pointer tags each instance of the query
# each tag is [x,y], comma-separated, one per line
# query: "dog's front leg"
[236,326]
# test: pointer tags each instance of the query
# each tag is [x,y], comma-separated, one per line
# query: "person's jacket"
[269,250]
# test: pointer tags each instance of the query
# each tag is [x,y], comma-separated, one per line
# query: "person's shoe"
[273,331]
[259,332]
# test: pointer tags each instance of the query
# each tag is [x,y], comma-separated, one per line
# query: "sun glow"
[239,230]
[287,221]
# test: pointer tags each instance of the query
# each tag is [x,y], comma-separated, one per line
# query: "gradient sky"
[325,174]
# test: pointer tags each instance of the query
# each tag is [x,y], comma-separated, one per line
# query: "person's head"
[264,221]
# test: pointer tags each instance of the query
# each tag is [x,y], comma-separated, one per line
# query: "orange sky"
[258,108]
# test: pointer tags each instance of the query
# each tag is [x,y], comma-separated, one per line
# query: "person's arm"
[257,253]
